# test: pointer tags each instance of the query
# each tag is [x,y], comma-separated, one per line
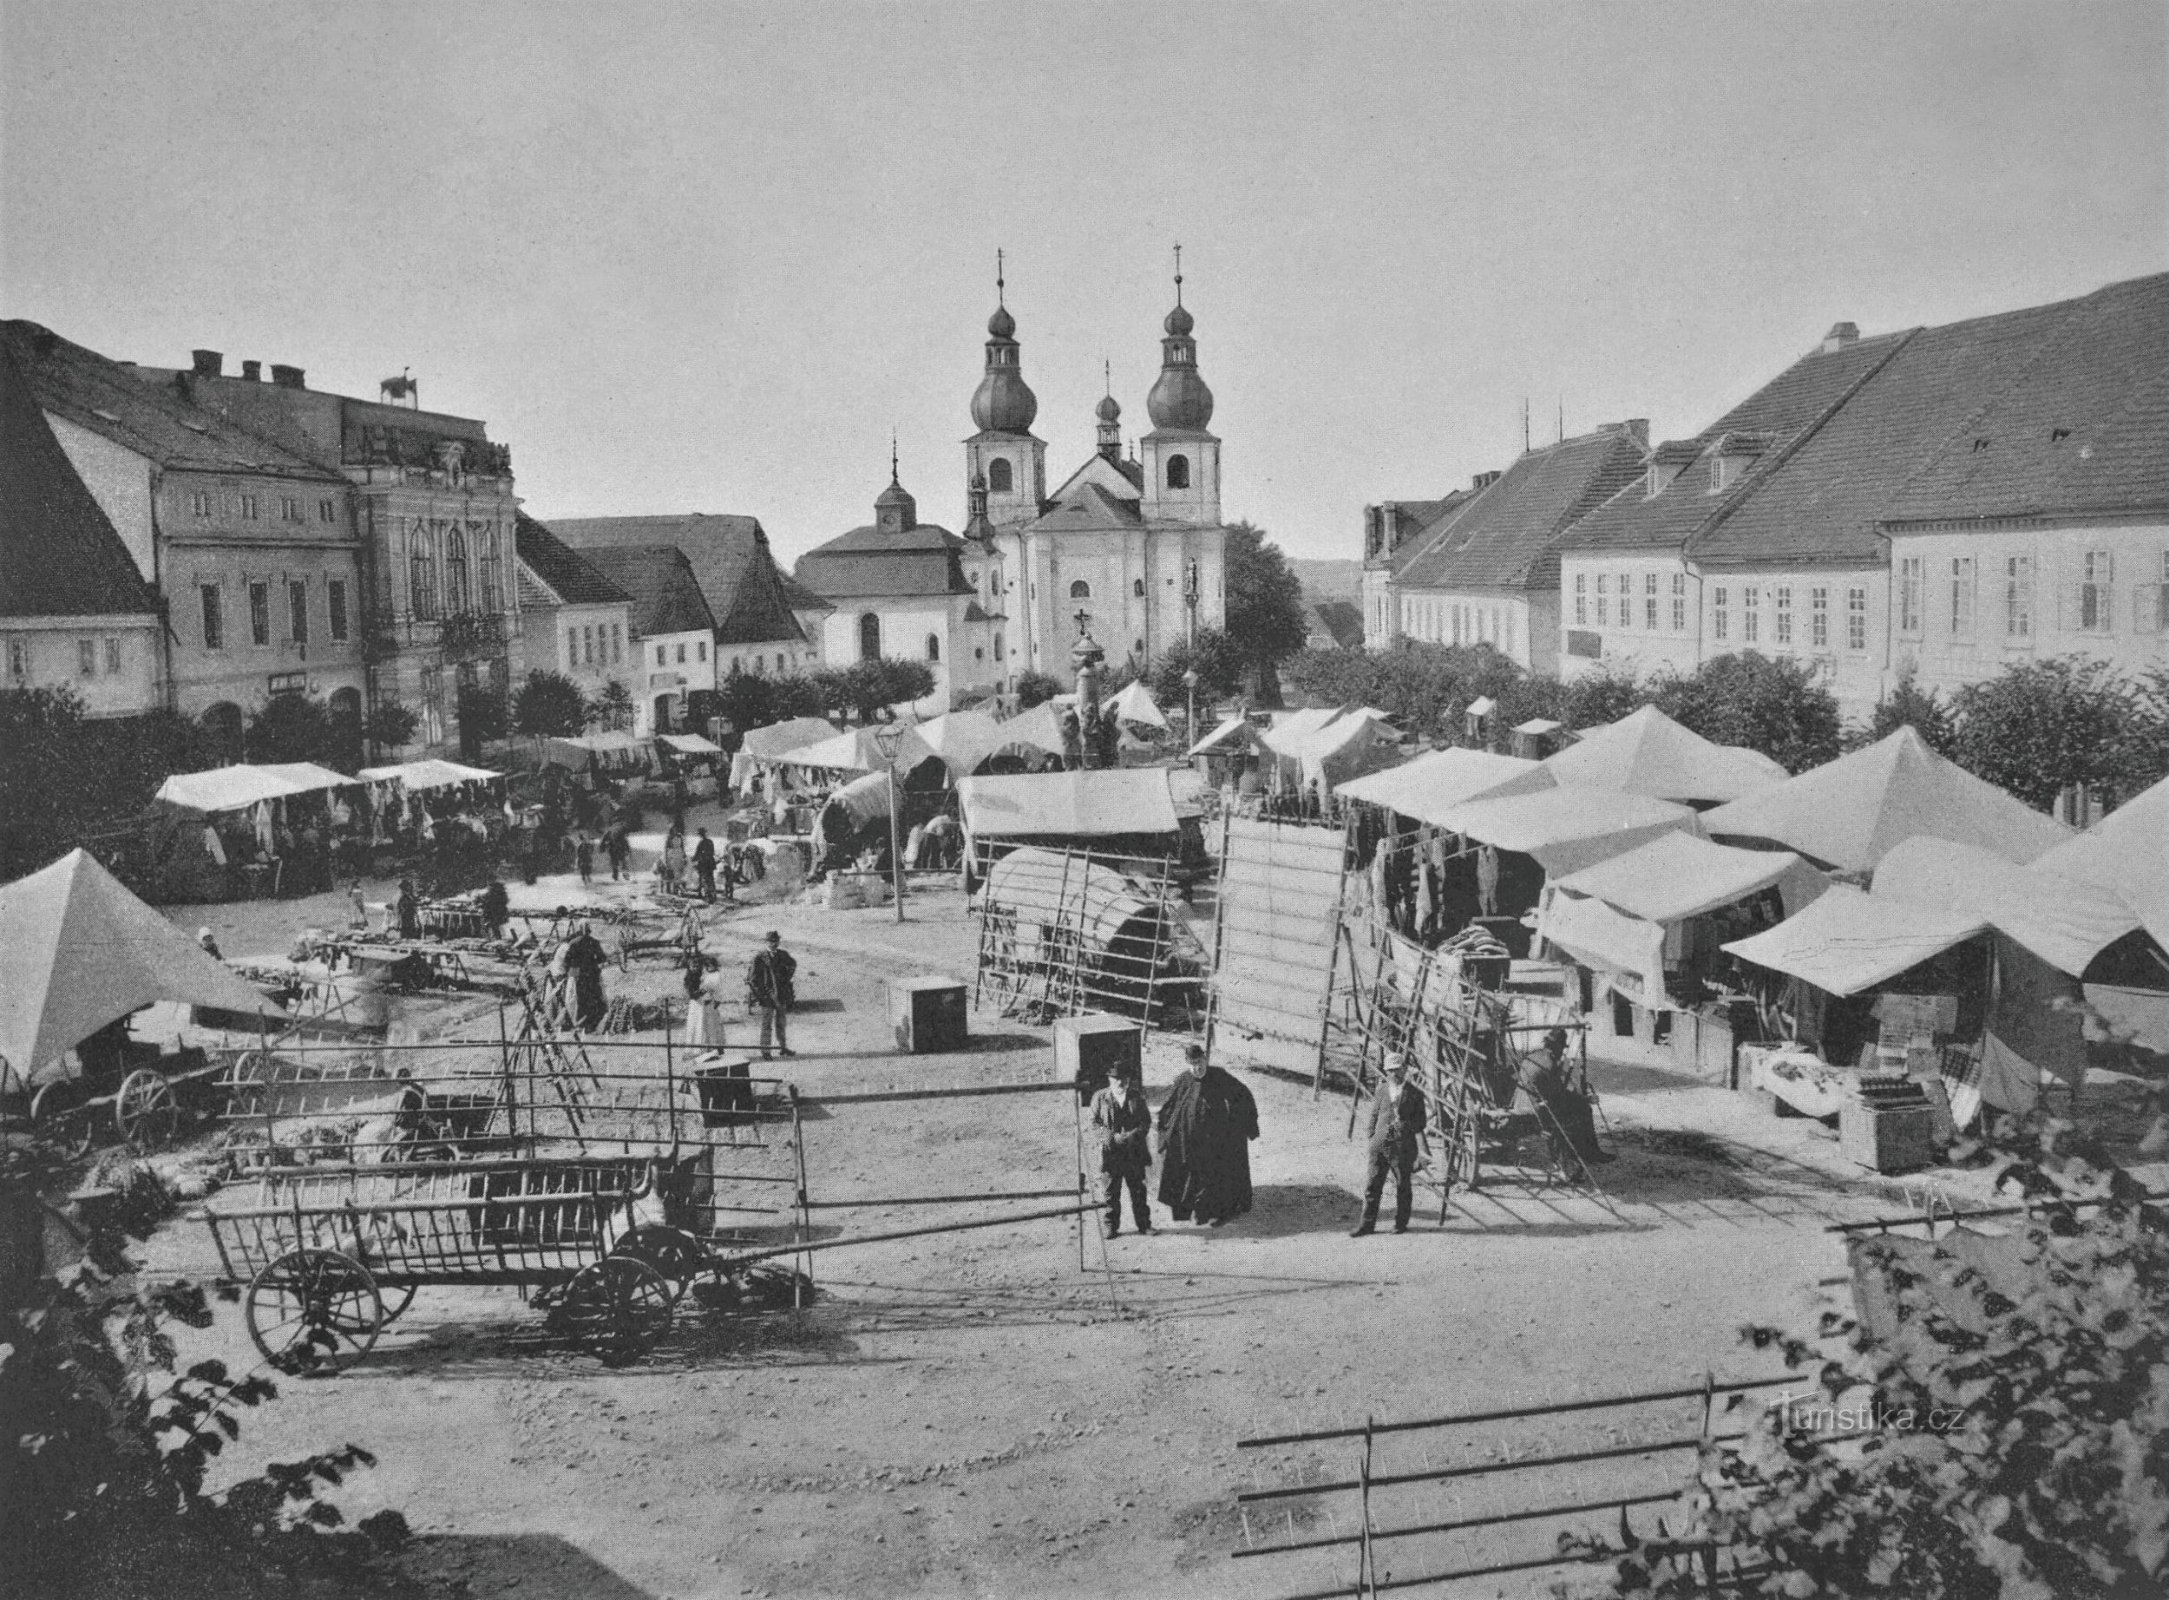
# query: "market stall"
[1648,753]
[264,829]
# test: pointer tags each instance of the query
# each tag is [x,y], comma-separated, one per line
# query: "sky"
[708,257]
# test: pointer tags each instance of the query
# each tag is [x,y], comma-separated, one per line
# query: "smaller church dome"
[1002,325]
[1179,322]
[1108,410]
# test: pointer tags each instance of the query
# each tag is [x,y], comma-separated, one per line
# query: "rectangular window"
[335,605]
[259,613]
[1750,613]
[289,508]
[660,654]
[1626,599]
[1910,585]
[572,647]
[2093,606]
[1961,597]
[1818,600]
[112,655]
[199,503]
[617,642]
[587,646]
[1856,619]
[1649,601]
[249,507]
[703,648]
[1720,614]
[1604,601]
[1679,602]
[1783,632]
[2018,598]
[214,617]
[297,611]
[86,657]
[327,511]
[18,658]
[681,655]
[1581,599]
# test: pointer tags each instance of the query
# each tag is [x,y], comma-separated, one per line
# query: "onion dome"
[1108,410]
[1179,400]
[1002,325]
[1003,402]
[1179,321]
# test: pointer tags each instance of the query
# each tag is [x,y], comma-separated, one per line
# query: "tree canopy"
[1264,600]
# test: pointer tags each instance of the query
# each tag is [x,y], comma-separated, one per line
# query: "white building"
[670,656]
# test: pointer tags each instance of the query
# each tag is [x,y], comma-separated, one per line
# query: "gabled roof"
[1126,475]
[1088,506]
[739,579]
[1339,620]
[659,579]
[1510,533]
[1425,522]
[59,554]
[867,563]
[564,574]
[152,419]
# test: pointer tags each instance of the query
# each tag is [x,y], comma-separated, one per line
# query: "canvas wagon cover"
[1081,805]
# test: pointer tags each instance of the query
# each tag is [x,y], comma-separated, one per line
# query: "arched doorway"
[221,726]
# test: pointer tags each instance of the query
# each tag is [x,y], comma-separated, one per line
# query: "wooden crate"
[1088,1050]
[1895,1139]
[928,1014]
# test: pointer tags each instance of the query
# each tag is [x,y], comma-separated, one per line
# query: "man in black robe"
[1206,1125]
[584,962]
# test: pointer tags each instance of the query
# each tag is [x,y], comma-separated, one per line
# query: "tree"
[612,706]
[1774,706]
[1219,669]
[290,727]
[1908,705]
[1265,614]
[869,688]
[2039,726]
[484,714]
[1596,698]
[391,725]
[1035,689]
[548,706]
[748,700]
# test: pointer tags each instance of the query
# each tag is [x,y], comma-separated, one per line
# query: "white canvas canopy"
[429,774]
[863,799]
[1648,753]
[857,750]
[1849,940]
[1068,804]
[1855,810]
[1046,892]
[78,951]
[1602,937]
[2126,853]
[1676,875]
[689,744]
[963,739]
[1434,783]
[236,788]
[2065,922]
[607,750]
[1233,734]
[1133,703]
[767,746]
[1037,729]
[1567,829]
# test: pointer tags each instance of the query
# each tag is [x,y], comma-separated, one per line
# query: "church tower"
[1181,459]
[1004,451]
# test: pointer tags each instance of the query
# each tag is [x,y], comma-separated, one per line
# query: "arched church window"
[1178,472]
[933,647]
[1080,590]
[456,598]
[869,637]
[1137,588]
[999,480]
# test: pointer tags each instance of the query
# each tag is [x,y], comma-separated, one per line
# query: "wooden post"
[1220,903]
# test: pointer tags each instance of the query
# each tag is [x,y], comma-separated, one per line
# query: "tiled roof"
[59,555]
[1509,535]
[867,563]
[665,593]
[1785,407]
[1423,522]
[152,419]
[1340,620]
[799,597]
[739,578]
[1089,507]
[561,569]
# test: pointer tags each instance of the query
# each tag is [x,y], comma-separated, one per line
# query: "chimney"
[1840,335]
[287,377]
[1483,480]
[252,372]
[1635,428]
[1389,538]
[206,363]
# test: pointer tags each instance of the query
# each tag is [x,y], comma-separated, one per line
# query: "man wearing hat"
[1396,1131]
[771,992]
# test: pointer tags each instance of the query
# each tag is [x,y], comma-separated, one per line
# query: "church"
[1128,548]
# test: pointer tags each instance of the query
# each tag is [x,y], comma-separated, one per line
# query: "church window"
[456,598]
[1080,590]
[1178,472]
[869,637]
[999,480]
[422,576]
[997,647]
[1138,588]
[933,647]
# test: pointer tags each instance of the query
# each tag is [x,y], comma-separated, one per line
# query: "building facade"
[573,620]
[671,652]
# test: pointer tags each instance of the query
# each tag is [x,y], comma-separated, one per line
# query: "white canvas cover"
[1037,729]
[1435,782]
[857,750]
[1648,753]
[1050,805]
[1047,892]
[1133,703]
[1567,829]
[1854,810]
[765,746]
[1233,734]
[963,739]
[2062,920]
[863,799]
[1849,940]
[1593,933]
[236,788]
[2127,854]
[1676,875]
[1289,728]
[78,951]
[429,774]
[610,751]
[690,744]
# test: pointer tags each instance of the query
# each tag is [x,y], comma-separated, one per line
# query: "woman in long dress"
[672,865]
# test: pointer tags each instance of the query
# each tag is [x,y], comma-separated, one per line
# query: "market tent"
[1851,812]
[1123,800]
[236,788]
[1290,728]
[1849,940]
[78,951]
[1676,875]
[1648,753]
[1232,735]
[1133,703]
[1609,940]
[862,800]
[858,750]
[963,739]
[1037,729]
[610,751]
[430,774]
[2126,853]
[1342,746]
[1567,829]
[2065,922]
[689,744]
[1432,784]
[772,743]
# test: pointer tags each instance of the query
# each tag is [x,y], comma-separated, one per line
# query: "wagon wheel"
[67,1125]
[395,1301]
[314,1311]
[146,1110]
[672,1252]
[618,1308]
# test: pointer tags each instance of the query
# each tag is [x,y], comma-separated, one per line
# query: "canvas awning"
[1567,829]
[2126,853]
[430,774]
[1133,703]
[78,951]
[689,744]
[780,738]
[1037,729]
[1854,810]
[1434,783]
[607,750]
[1232,735]
[963,739]
[1629,948]
[1538,725]
[1676,875]
[863,799]
[236,788]
[1068,804]
[1290,728]
[2065,922]
[859,750]
[1648,753]
[1849,940]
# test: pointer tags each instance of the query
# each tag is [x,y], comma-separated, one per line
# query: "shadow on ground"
[541,1566]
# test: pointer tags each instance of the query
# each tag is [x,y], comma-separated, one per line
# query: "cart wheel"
[396,1302]
[67,1125]
[618,1308]
[314,1311]
[672,1252]
[146,1111]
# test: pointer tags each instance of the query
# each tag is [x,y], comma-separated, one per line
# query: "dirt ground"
[978,1414]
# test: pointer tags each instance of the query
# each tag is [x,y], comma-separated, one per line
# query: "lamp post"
[1189,683]
[890,739]
[1086,656]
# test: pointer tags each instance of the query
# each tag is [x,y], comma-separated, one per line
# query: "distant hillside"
[1329,580]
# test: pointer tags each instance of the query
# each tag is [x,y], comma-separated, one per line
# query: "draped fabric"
[1206,1125]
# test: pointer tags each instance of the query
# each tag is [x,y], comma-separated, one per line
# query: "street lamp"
[1189,682]
[889,739]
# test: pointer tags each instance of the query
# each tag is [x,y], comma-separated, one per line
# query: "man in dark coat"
[1206,1125]
[1125,1123]
[1396,1133]
[409,910]
[584,961]
[704,865]
[771,990]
